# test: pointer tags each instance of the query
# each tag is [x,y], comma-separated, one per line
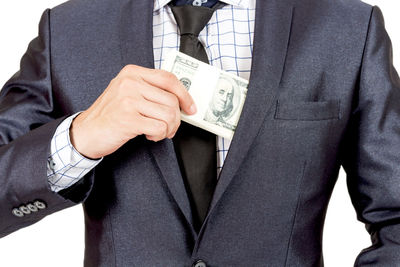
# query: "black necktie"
[196,148]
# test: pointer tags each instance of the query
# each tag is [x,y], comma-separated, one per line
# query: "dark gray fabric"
[323,93]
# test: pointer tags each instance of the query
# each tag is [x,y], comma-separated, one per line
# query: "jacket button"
[199,263]
[16,212]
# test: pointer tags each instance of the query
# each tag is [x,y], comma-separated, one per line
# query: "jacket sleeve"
[371,157]
[27,124]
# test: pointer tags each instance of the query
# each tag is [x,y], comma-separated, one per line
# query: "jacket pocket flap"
[310,110]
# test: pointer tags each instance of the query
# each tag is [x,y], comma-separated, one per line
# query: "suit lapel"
[136,36]
[271,37]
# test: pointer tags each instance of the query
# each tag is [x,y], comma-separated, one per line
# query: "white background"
[44,245]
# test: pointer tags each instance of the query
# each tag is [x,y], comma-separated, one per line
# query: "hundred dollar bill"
[219,95]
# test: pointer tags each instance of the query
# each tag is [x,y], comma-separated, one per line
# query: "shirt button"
[199,263]
[17,212]
[40,205]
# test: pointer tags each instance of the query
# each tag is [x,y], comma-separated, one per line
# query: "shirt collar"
[158,4]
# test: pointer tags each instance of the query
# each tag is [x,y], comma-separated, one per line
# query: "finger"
[166,81]
[156,95]
[155,129]
[169,115]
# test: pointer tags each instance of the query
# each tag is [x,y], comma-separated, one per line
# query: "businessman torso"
[270,201]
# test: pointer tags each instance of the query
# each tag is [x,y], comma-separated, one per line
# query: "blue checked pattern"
[65,165]
[228,40]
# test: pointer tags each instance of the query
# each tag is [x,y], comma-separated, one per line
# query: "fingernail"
[193,109]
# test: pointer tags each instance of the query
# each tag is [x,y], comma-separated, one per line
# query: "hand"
[137,101]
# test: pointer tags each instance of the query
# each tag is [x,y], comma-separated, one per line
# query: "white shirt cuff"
[65,165]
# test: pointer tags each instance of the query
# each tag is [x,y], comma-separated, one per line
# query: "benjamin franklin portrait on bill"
[224,102]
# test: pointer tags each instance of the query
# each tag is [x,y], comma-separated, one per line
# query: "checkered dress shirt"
[228,40]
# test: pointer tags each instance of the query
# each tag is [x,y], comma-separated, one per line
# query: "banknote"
[219,95]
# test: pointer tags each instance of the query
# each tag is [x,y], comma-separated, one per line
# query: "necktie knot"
[192,19]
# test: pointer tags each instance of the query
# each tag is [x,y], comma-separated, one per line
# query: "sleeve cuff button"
[16,212]
[40,204]
[32,207]
[24,210]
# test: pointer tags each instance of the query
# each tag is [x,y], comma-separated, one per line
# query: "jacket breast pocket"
[289,109]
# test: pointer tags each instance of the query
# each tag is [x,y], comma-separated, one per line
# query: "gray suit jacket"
[323,93]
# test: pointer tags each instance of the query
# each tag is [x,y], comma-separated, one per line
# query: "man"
[313,104]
